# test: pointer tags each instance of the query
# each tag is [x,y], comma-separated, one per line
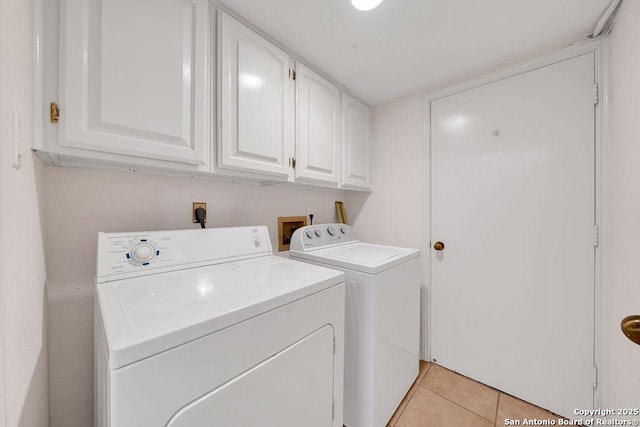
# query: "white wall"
[82,202]
[392,213]
[23,360]
[624,208]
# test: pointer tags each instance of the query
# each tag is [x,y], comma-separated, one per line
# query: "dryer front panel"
[284,390]
[279,365]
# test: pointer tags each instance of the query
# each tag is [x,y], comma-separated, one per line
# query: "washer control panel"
[321,235]
[143,252]
[124,255]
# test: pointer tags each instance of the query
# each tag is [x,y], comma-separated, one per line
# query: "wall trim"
[3,376]
[600,48]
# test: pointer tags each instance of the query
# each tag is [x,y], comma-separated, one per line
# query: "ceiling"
[407,45]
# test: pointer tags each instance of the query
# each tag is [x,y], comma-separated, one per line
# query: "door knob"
[631,328]
[438,246]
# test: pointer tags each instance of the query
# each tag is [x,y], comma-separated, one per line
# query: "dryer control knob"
[309,234]
[257,242]
[343,230]
[318,233]
[142,252]
[331,231]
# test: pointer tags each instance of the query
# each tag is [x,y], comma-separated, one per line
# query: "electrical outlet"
[309,213]
[197,205]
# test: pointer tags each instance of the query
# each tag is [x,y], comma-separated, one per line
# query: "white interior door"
[512,292]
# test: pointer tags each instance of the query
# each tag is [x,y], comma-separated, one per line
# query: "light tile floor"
[442,398]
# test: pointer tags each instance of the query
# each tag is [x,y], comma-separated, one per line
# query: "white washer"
[382,335]
[208,328]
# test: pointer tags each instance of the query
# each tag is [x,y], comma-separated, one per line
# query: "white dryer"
[382,335]
[199,328]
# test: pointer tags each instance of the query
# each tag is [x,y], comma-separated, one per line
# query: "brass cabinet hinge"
[293,160]
[294,74]
[54,112]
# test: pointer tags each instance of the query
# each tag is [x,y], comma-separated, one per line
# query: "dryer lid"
[146,315]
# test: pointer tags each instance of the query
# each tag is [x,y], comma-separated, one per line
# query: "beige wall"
[624,208]
[23,360]
[82,202]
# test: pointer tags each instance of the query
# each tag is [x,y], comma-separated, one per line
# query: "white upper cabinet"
[356,144]
[181,86]
[255,111]
[134,78]
[317,128]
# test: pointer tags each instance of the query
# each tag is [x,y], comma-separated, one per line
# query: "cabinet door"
[256,117]
[317,128]
[356,144]
[133,77]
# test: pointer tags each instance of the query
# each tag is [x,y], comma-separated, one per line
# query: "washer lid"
[364,257]
[146,315]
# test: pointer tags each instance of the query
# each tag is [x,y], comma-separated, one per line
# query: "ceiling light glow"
[365,4]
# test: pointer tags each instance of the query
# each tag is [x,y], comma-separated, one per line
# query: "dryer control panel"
[321,236]
[125,255]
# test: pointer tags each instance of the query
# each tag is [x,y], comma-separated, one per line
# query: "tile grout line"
[500,393]
[457,404]
[417,383]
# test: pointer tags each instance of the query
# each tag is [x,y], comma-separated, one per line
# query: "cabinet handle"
[438,246]
[54,112]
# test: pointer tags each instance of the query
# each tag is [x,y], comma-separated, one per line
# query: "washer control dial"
[142,252]
[331,231]
[343,230]
[318,233]
[309,234]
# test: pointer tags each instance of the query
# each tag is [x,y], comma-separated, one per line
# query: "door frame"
[600,48]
